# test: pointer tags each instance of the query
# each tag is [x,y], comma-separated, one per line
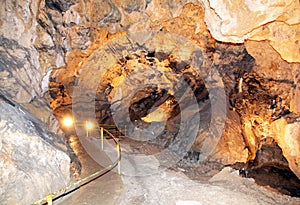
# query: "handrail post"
[49,199]
[101,133]
[119,159]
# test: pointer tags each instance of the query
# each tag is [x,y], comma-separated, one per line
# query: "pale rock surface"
[19,60]
[164,186]
[180,202]
[168,187]
[237,18]
[276,21]
[23,61]
[284,38]
[33,163]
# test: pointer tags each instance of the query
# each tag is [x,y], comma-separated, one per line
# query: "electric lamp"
[68,121]
[89,125]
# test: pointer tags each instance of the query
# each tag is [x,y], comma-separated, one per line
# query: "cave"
[149,102]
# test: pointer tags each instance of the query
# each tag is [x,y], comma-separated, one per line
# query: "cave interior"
[166,78]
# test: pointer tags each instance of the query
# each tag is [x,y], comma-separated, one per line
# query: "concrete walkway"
[167,187]
[106,189]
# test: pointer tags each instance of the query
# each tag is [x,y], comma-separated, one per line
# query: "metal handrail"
[110,127]
[74,186]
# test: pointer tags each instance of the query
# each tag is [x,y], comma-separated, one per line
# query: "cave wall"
[276,22]
[254,47]
[34,162]
[260,77]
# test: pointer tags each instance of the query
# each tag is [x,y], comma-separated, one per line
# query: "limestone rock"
[232,62]
[252,80]
[157,14]
[235,21]
[231,147]
[270,65]
[19,71]
[22,65]
[39,37]
[59,5]
[33,161]
[284,38]
[288,138]
[17,54]
[237,18]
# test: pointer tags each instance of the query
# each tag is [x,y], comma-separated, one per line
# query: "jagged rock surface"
[56,39]
[33,161]
[280,91]
[249,80]
[276,21]
[21,74]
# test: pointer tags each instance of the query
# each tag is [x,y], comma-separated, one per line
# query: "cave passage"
[202,98]
[153,104]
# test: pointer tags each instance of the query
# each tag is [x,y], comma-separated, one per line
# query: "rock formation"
[34,162]
[273,21]
[50,47]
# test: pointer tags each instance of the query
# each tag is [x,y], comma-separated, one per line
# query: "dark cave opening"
[270,169]
[279,178]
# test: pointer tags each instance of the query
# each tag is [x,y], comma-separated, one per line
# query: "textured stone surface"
[232,148]
[276,21]
[26,53]
[284,76]
[33,161]
[259,89]
[284,38]
[282,80]
[226,187]
[233,62]
[57,38]
[239,18]
[288,138]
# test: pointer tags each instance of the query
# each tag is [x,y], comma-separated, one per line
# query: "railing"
[113,129]
[74,186]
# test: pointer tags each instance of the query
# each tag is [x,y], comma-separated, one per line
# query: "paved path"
[105,190]
[167,187]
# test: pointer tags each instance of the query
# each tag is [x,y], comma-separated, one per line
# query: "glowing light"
[89,125]
[158,115]
[68,121]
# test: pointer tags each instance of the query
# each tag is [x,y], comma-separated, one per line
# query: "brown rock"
[270,65]
[288,138]
[284,38]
